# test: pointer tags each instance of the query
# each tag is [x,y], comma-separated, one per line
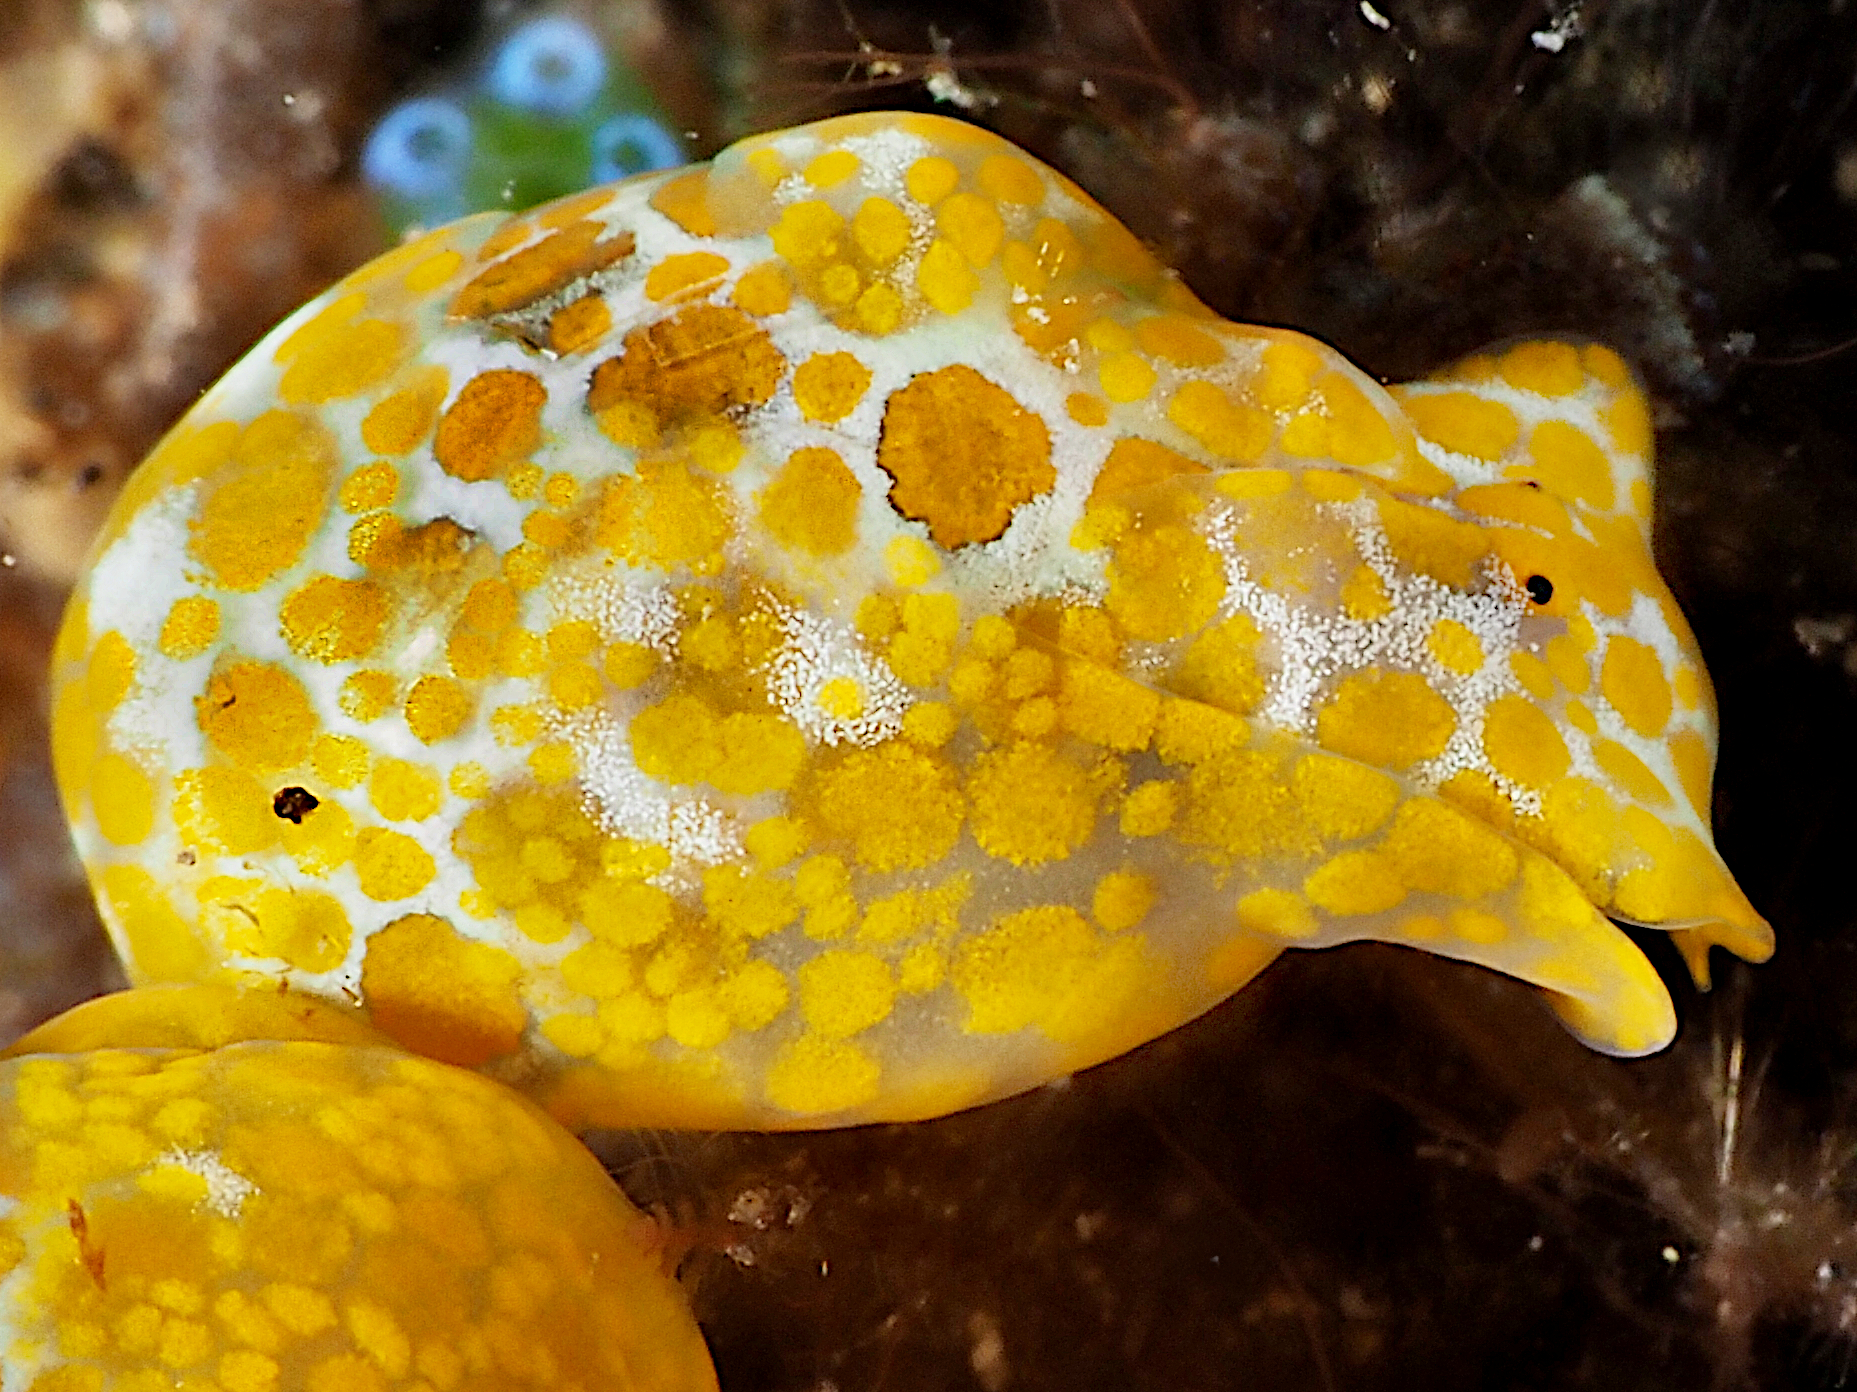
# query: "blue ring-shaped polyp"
[646,143]
[554,66]
[420,148]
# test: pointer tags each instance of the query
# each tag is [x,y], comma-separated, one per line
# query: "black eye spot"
[293,804]
[1540,588]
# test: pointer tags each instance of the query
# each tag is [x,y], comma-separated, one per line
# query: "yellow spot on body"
[1464,423]
[1630,773]
[111,672]
[675,275]
[881,230]
[931,179]
[223,810]
[190,628]
[1628,421]
[628,665]
[813,1075]
[1432,543]
[1106,708]
[1030,805]
[1125,377]
[1355,882]
[1011,180]
[1522,743]
[437,708]
[879,310]
[308,931]
[390,865]
[161,945]
[664,515]
[400,422]
[843,993]
[433,272]
[257,517]
[1536,677]
[945,279]
[764,290]
[841,698]
[1695,763]
[910,561]
[831,168]
[1287,374]
[122,797]
[331,620]
[1570,466]
[1455,647]
[1388,719]
[827,386]
[1437,849]
[1549,368]
[1045,967]
[807,233]
[257,715]
[1164,582]
[370,487]
[1364,597]
[1229,429]
[402,791]
[330,361]
[685,201]
[1277,912]
[1174,338]
[440,994]
[1085,409]
[1123,898]
[1109,336]
[367,696]
[1632,678]
[972,225]
[1477,926]
[1567,660]
[1340,799]
[1149,809]
[899,807]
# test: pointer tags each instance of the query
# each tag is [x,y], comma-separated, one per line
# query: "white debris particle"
[944,86]
[1374,17]
[226,1188]
[1564,27]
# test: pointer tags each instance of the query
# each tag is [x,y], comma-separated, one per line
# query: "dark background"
[1372,1169]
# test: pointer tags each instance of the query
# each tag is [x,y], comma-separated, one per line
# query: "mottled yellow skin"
[292,1215]
[841,633]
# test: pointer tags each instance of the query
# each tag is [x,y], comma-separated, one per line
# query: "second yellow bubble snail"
[842,634]
[213,1188]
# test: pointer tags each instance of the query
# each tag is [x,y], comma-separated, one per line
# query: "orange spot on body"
[495,422]
[536,272]
[965,455]
[703,360]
